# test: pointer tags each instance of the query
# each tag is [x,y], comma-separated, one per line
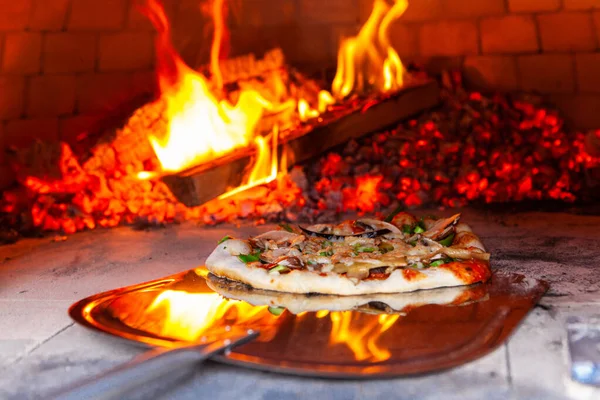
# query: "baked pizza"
[362,256]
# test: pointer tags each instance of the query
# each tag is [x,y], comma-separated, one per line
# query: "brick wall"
[64,63]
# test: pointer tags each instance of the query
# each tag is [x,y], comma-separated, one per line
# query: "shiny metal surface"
[153,365]
[419,338]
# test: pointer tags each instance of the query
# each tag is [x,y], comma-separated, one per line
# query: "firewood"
[198,185]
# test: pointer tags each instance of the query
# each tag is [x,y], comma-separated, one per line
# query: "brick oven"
[485,107]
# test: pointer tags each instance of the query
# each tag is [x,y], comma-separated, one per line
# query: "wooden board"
[198,185]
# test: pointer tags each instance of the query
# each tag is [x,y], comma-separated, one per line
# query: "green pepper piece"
[224,239]
[361,249]
[418,229]
[385,247]
[437,263]
[286,227]
[277,311]
[407,229]
[246,258]
[391,216]
[447,241]
[282,269]
[326,253]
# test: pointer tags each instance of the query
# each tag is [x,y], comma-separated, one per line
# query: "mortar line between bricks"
[37,346]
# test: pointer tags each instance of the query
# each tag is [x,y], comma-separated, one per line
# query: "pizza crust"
[223,263]
[299,302]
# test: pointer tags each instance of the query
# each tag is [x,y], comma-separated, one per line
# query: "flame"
[201,127]
[305,112]
[368,60]
[266,167]
[325,100]
[215,50]
[361,338]
[189,316]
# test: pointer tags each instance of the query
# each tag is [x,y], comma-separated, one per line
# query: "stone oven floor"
[42,349]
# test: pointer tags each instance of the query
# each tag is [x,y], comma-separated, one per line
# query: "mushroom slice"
[465,254]
[441,227]
[329,236]
[273,256]
[279,237]
[236,247]
[376,224]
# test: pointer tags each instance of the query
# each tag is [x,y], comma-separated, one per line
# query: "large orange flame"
[188,316]
[361,338]
[368,61]
[200,126]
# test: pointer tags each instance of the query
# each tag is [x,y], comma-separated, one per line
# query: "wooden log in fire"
[200,184]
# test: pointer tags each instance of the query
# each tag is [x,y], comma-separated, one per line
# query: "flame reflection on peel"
[187,316]
[360,337]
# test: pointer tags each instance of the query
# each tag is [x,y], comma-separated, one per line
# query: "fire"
[201,127]
[189,316]
[215,50]
[366,62]
[361,337]
[266,166]
[305,112]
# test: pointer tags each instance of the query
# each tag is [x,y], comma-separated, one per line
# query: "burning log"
[198,185]
[247,67]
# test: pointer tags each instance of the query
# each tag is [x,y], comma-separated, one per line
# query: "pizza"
[356,257]
[381,303]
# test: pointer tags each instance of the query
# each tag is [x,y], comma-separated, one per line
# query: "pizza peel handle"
[152,365]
